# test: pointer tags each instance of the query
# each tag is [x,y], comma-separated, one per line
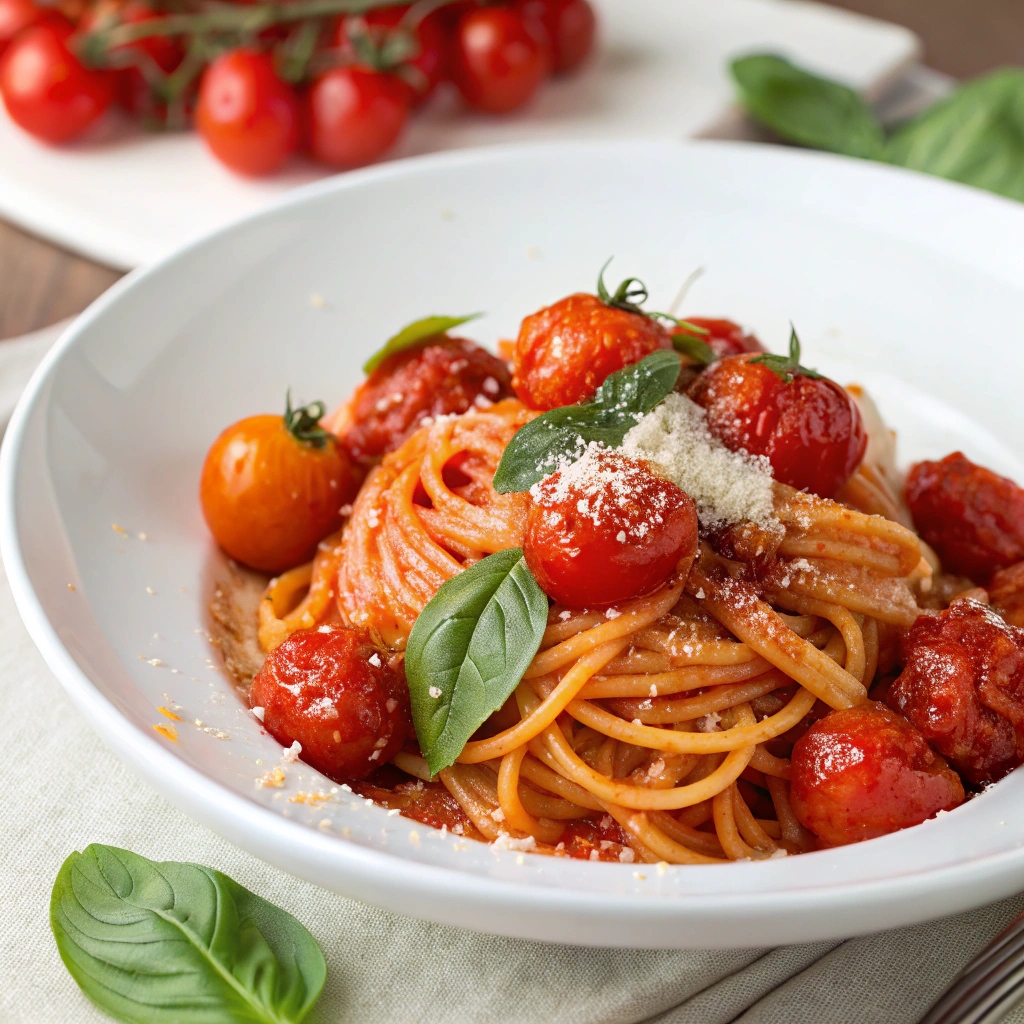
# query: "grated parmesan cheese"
[728,487]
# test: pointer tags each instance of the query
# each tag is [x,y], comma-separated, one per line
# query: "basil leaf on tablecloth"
[468,651]
[975,135]
[170,943]
[413,334]
[625,396]
[804,108]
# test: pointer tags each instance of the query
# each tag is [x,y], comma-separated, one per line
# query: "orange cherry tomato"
[272,487]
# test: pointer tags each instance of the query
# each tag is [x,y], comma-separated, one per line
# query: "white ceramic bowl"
[913,285]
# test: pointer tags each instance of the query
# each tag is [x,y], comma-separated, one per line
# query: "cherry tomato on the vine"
[272,487]
[354,115]
[569,25]
[499,59]
[15,16]
[246,114]
[46,88]
[164,53]
[807,426]
[429,65]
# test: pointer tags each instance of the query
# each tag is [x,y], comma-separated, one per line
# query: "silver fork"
[989,986]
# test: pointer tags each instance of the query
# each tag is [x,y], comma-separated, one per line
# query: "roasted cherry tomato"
[606,529]
[568,25]
[499,60]
[564,352]
[272,487]
[45,87]
[354,115]
[865,772]
[972,517]
[15,16]
[429,65]
[808,427]
[444,376]
[333,690]
[724,337]
[246,114]
[962,685]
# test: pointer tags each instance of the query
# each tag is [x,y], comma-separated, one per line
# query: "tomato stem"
[238,20]
[788,367]
[304,423]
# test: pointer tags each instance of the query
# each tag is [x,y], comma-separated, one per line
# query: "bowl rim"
[261,830]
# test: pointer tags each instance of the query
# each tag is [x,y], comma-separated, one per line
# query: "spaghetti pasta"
[643,716]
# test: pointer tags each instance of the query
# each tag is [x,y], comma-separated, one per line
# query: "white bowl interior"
[911,286]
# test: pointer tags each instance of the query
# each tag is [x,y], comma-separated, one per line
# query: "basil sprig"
[468,651]
[170,943]
[974,136]
[413,334]
[621,400]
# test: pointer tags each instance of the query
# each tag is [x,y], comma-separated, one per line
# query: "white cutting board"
[126,198]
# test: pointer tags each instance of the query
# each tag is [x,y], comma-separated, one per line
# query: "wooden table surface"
[41,284]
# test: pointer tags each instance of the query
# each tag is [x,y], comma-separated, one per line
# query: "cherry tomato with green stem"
[385,27]
[47,90]
[354,115]
[499,60]
[246,114]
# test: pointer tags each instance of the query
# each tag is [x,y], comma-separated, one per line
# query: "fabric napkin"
[63,790]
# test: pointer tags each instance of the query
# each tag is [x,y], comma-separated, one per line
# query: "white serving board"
[126,199]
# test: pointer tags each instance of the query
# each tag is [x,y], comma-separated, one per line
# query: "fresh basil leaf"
[468,651]
[413,334]
[975,135]
[804,108]
[170,943]
[625,396]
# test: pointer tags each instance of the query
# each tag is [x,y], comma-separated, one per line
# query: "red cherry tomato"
[446,376]
[971,516]
[430,63]
[15,16]
[724,337]
[247,116]
[333,690]
[564,352]
[269,496]
[866,772]
[499,60]
[962,685]
[809,428]
[569,26]
[607,529]
[355,115]
[46,89]
[134,92]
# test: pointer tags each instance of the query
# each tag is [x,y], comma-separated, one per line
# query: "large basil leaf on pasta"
[468,651]
[536,449]
[413,334]
[804,108]
[170,943]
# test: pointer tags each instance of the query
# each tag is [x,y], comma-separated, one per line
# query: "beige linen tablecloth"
[62,790]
